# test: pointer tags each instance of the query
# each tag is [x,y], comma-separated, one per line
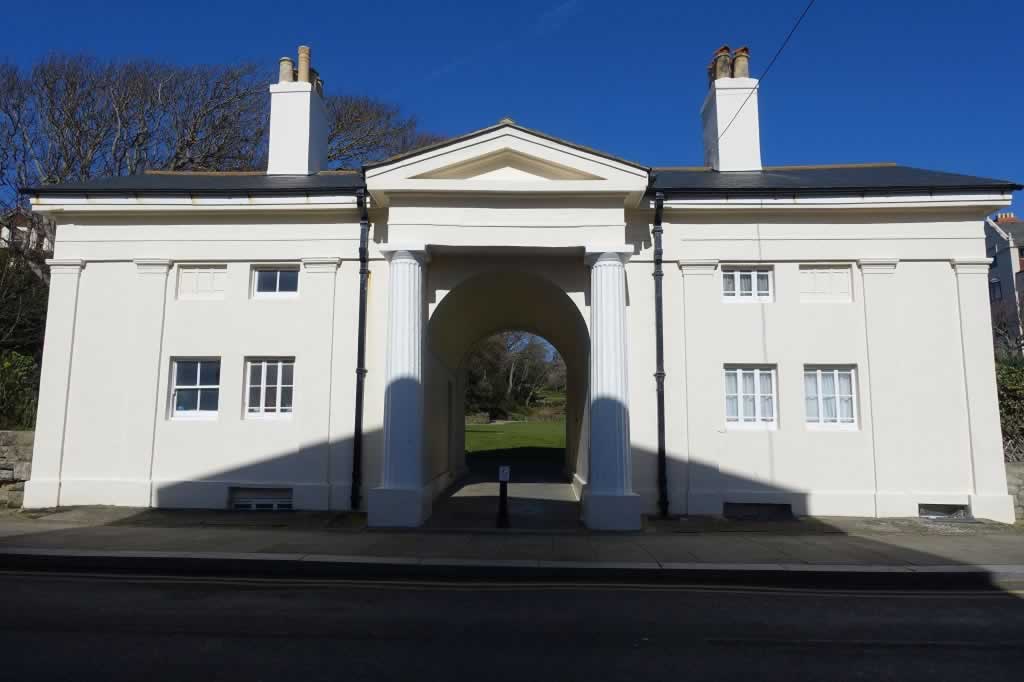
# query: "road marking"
[499,586]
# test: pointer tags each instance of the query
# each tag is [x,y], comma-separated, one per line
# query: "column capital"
[878,266]
[408,251]
[620,253]
[971,266]
[698,267]
[65,266]
[152,266]
[327,265]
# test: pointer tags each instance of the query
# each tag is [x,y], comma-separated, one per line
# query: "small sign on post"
[504,474]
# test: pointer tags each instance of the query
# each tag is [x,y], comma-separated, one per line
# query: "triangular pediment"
[509,166]
[505,159]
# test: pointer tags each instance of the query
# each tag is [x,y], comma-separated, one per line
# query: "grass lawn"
[546,434]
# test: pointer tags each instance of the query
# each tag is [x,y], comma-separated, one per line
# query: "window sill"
[269,416]
[747,300]
[751,426]
[815,426]
[194,416]
[275,297]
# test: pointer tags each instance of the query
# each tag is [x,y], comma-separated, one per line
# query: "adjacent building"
[1004,244]
[294,339]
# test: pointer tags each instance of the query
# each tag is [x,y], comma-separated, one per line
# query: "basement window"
[260,499]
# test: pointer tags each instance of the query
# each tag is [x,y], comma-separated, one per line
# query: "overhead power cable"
[770,65]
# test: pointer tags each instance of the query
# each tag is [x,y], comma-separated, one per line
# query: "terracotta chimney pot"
[304,64]
[722,63]
[741,63]
[287,70]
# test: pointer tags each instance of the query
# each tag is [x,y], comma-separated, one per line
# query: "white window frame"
[758,421]
[197,413]
[261,412]
[820,424]
[279,268]
[213,296]
[736,272]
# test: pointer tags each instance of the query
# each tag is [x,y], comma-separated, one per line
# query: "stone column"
[989,498]
[402,498]
[609,502]
[43,490]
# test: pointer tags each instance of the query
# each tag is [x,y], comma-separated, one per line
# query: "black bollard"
[503,476]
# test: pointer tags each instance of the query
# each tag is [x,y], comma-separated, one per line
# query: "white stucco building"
[825,330]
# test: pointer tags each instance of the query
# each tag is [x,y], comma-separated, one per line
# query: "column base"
[41,493]
[993,507]
[611,512]
[397,507]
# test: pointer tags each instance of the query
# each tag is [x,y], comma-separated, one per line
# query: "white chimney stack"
[732,135]
[298,120]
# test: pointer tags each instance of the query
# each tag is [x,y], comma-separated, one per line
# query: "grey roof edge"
[834,180]
[203,184]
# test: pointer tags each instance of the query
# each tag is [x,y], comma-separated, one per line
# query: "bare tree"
[73,118]
[365,129]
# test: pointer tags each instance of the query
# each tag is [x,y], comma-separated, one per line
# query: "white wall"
[927,429]
[112,450]
[913,443]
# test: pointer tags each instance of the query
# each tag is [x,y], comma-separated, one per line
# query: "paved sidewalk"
[907,551]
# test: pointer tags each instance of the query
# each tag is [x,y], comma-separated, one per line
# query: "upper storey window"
[276,280]
[747,284]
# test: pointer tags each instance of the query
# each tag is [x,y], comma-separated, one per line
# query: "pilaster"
[142,405]
[313,359]
[43,490]
[989,497]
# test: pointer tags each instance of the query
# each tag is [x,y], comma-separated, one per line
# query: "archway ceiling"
[508,300]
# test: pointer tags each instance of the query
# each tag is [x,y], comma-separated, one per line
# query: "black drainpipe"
[659,336]
[364,278]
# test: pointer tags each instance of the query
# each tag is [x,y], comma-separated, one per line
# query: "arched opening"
[533,316]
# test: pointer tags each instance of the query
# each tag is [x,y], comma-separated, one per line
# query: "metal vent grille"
[260,499]
[749,511]
[946,512]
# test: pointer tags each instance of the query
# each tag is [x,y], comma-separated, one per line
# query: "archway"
[476,308]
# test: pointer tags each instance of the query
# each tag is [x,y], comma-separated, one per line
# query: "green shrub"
[19,388]
[1010,384]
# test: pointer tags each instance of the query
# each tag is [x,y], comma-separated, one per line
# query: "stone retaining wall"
[1015,483]
[15,466]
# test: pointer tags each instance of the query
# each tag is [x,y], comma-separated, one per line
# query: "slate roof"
[210,184]
[818,180]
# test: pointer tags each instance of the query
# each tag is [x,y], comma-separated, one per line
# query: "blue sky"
[934,84]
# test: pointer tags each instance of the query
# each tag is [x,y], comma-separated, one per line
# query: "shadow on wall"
[534,513]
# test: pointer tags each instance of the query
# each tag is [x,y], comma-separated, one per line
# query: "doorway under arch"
[476,308]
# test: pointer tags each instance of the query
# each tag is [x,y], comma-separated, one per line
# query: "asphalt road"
[145,628]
